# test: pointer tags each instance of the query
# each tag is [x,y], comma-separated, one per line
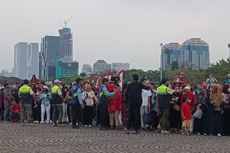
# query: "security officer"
[26,95]
[163,101]
[57,100]
[76,103]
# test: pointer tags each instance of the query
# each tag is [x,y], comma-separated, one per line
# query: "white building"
[26,60]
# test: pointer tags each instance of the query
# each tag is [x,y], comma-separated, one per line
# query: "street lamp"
[161,68]
[229,51]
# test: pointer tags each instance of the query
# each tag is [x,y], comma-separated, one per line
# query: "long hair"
[216,95]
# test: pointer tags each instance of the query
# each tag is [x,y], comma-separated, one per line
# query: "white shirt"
[145,97]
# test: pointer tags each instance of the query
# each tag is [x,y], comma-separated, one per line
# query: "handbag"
[198,113]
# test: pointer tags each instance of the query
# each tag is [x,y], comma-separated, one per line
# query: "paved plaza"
[49,139]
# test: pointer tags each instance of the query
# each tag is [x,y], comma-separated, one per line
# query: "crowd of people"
[169,107]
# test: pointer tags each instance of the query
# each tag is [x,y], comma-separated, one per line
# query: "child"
[15,111]
[114,108]
[186,116]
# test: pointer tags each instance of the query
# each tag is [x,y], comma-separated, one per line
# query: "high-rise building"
[120,66]
[196,54]
[26,60]
[66,44]
[87,69]
[170,52]
[33,60]
[66,68]
[20,57]
[40,65]
[101,66]
[50,47]
[193,54]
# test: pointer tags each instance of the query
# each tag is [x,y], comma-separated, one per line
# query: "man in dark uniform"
[134,97]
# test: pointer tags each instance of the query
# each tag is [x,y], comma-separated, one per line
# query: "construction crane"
[67,21]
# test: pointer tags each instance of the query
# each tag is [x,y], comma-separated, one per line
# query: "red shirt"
[186,112]
[188,95]
[115,103]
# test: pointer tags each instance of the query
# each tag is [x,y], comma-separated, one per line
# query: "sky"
[116,30]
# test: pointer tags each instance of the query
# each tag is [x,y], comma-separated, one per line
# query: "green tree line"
[220,69]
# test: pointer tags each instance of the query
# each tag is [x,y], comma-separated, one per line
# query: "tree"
[83,75]
[175,65]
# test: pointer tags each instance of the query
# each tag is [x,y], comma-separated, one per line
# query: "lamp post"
[229,51]
[161,68]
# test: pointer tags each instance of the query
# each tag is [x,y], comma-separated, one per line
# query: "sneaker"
[85,126]
[41,122]
[31,124]
[117,128]
[75,127]
[70,124]
[128,132]
[136,132]
[183,133]
[112,128]
[36,122]
[165,132]
[90,126]
[60,125]
[104,128]
[219,135]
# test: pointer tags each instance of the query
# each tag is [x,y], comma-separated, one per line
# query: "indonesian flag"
[108,75]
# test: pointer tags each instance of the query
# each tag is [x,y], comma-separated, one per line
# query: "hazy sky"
[116,30]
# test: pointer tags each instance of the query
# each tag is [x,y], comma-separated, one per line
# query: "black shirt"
[133,92]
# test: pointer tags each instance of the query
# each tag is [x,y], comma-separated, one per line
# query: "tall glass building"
[193,53]
[196,54]
[66,44]
[50,47]
[26,57]
[169,53]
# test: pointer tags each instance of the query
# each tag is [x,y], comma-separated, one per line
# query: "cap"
[45,87]
[57,81]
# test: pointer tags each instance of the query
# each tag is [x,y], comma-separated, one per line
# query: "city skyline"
[192,53]
[132,30]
